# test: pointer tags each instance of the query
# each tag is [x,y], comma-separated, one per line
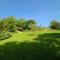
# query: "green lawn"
[38,45]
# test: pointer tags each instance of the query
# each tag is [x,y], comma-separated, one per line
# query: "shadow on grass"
[47,48]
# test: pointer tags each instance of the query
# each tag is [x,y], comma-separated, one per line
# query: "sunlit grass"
[27,36]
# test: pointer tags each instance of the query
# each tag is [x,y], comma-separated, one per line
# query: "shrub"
[4,35]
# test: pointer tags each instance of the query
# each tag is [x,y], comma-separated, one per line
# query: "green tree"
[31,24]
[54,24]
[21,23]
[10,23]
[2,27]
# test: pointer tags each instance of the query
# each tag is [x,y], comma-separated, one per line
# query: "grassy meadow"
[31,45]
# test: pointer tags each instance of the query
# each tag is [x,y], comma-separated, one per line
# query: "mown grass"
[37,45]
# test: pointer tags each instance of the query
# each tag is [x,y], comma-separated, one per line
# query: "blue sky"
[42,11]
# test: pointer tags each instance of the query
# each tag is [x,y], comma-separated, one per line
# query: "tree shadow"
[49,38]
[42,49]
[51,42]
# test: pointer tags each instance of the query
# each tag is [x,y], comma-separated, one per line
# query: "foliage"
[1,26]
[31,24]
[21,23]
[11,24]
[54,24]
[4,35]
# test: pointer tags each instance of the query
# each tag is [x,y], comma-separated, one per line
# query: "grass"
[38,45]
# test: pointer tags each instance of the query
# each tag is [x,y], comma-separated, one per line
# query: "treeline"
[11,24]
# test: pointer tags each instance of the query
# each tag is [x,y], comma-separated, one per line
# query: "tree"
[21,23]
[54,24]
[1,26]
[31,24]
[10,23]
[59,25]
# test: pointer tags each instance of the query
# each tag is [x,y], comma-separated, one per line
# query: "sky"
[42,11]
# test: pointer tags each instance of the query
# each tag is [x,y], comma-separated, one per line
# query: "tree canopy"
[11,24]
[54,24]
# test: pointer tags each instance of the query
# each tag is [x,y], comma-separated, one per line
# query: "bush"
[4,35]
